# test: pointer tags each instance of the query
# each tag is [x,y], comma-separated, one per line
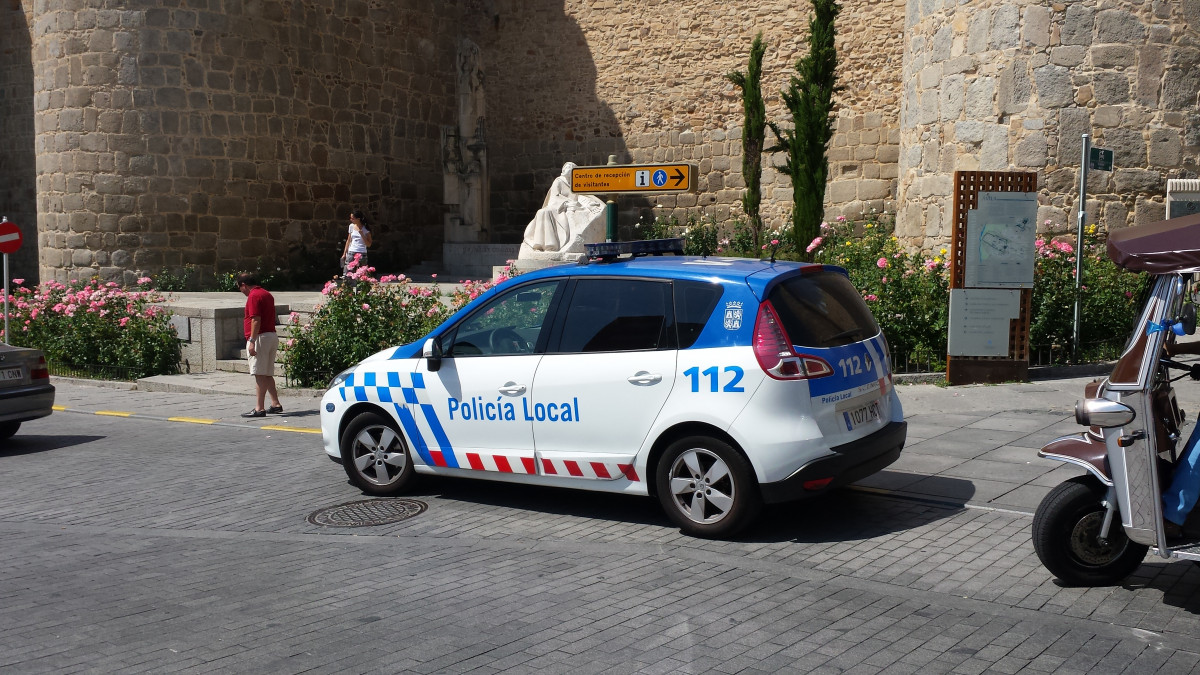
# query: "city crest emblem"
[733,315]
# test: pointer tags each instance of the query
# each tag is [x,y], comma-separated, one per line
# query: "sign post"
[1099,159]
[10,241]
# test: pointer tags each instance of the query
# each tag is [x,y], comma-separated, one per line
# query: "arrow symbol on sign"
[678,177]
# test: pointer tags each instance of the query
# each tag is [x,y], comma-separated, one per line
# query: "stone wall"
[229,135]
[1013,86]
[579,80]
[223,134]
[18,194]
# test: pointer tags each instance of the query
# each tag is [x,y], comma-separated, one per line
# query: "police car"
[712,384]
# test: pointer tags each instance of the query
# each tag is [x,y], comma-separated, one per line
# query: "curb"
[1035,373]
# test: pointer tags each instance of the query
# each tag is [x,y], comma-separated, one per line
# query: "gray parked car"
[25,389]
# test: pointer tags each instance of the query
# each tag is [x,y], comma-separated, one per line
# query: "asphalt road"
[142,545]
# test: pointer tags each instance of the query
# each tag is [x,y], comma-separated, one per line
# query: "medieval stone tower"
[143,135]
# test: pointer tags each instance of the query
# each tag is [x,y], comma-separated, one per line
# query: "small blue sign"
[660,178]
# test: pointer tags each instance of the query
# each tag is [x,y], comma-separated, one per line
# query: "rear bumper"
[30,402]
[846,464]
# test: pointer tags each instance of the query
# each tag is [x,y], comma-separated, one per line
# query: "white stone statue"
[564,224]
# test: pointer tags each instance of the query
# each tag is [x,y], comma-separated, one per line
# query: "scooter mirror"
[1188,319]
[1103,413]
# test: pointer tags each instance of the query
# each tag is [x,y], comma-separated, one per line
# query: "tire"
[375,455]
[728,499]
[9,429]
[1064,535]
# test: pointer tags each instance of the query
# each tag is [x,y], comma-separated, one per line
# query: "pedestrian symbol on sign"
[641,178]
[660,178]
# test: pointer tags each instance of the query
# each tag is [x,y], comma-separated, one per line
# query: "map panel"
[1000,240]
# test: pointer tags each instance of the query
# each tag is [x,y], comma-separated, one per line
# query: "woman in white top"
[358,239]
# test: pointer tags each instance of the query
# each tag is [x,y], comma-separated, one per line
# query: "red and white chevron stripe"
[502,463]
[593,470]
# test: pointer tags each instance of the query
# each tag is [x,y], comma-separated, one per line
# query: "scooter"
[1095,529]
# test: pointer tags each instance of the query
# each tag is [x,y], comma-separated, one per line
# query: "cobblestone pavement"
[143,545]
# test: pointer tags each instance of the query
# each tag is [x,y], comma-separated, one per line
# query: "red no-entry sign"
[10,237]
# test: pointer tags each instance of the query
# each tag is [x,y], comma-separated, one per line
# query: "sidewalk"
[970,445]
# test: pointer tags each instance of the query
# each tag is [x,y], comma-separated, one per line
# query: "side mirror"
[1188,318]
[432,353]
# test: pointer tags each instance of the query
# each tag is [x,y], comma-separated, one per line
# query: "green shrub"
[1109,300]
[89,325]
[363,315]
[907,292]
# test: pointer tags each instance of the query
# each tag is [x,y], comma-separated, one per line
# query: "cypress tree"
[753,134]
[809,99]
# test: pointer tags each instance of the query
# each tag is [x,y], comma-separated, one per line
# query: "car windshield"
[822,310]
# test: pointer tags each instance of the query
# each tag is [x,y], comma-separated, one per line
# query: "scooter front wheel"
[1066,531]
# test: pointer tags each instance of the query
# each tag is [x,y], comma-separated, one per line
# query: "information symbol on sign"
[641,178]
[660,178]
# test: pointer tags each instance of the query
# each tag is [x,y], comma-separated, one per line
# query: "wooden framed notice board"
[968,186]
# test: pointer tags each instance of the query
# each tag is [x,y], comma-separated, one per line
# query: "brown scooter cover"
[1158,248]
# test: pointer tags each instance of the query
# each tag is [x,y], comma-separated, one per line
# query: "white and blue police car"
[714,384]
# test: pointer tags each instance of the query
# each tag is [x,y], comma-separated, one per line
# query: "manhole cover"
[367,512]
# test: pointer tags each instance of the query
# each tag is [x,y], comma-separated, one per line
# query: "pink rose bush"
[100,328]
[361,315]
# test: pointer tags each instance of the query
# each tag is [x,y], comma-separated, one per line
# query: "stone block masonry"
[1014,85]
[229,135]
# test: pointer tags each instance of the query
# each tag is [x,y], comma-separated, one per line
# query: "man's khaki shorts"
[265,346]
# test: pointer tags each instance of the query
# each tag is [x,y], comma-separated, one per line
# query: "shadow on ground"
[29,444]
[841,515]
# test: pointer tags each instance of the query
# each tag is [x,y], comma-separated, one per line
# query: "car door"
[606,376]
[475,409]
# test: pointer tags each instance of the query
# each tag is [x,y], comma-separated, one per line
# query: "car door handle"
[512,389]
[642,378]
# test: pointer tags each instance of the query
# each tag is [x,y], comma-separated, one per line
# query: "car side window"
[694,304]
[609,315]
[510,324]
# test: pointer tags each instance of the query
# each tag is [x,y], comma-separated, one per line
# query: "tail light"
[774,352]
[41,372]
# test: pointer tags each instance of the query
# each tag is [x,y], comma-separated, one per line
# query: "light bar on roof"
[615,249]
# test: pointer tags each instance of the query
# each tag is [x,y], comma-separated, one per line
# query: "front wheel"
[375,456]
[1065,536]
[707,487]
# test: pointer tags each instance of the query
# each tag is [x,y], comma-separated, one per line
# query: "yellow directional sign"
[634,178]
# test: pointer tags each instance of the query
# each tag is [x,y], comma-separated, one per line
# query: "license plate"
[860,416]
[9,374]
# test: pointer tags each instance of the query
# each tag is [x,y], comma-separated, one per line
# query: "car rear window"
[822,310]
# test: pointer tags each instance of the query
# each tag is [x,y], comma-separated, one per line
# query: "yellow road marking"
[58,407]
[194,420]
[299,430]
[113,413]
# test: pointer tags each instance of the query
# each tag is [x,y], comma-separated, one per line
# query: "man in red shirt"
[261,343]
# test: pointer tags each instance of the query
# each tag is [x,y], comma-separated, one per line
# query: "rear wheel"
[707,487]
[375,456]
[1066,532]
